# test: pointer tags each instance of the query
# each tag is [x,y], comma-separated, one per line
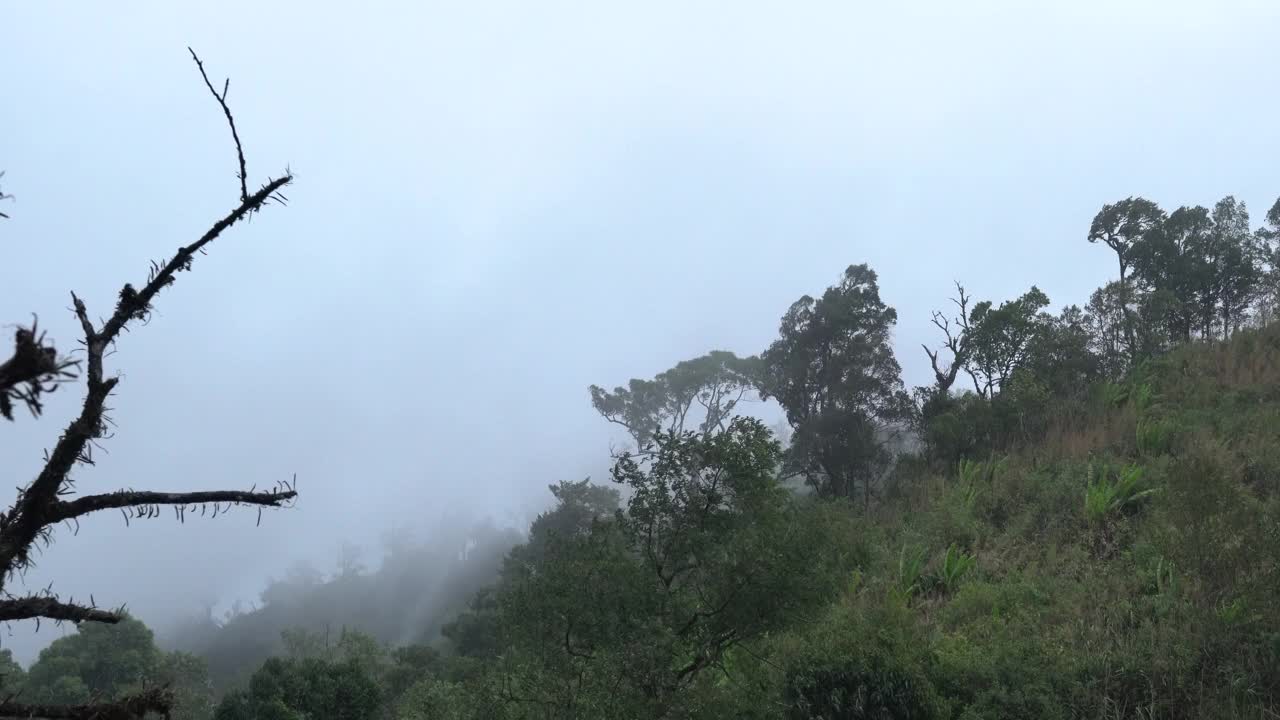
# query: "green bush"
[1104,498]
[864,662]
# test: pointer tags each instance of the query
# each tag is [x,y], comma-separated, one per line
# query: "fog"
[499,203]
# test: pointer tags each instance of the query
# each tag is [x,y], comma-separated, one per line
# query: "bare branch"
[21,526]
[136,304]
[65,510]
[38,506]
[52,609]
[222,100]
[956,342]
[35,369]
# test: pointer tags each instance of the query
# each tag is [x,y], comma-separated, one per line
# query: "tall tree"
[1239,263]
[50,498]
[833,371]
[1172,264]
[710,387]
[1119,226]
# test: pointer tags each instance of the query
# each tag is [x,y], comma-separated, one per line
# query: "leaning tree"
[37,368]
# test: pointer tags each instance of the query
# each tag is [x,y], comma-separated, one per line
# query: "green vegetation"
[1092,531]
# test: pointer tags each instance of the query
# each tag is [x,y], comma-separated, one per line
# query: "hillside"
[1125,566]
[1122,565]
[1091,531]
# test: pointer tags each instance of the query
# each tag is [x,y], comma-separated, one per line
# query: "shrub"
[1105,498]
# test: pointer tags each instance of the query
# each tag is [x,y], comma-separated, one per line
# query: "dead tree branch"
[155,700]
[36,368]
[51,608]
[20,527]
[66,510]
[957,341]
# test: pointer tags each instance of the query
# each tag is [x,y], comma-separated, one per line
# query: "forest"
[1076,517]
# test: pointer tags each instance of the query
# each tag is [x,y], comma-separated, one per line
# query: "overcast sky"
[498,204]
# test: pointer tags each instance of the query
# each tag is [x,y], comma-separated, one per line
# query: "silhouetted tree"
[49,499]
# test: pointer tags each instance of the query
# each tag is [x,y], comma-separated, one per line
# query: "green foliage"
[866,660]
[12,677]
[305,688]
[715,383]
[833,371]
[99,659]
[630,618]
[1106,498]
[713,592]
[1000,339]
[955,565]
[976,477]
[108,661]
[958,426]
[432,699]
[911,566]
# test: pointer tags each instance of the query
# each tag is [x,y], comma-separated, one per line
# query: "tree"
[630,619]
[1172,265]
[715,383]
[834,373]
[1119,226]
[1238,270]
[999,338]
[49,499]
[12,676]
[1268,243]
[112,661]
[1060,357]
[580,506]
[296,689]
[1105,318]
[957,342]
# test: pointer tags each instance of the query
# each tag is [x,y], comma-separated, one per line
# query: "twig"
[222,100]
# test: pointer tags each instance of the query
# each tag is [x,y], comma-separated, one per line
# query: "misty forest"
[1071,511]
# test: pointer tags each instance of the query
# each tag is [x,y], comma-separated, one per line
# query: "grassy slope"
[1159,601]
